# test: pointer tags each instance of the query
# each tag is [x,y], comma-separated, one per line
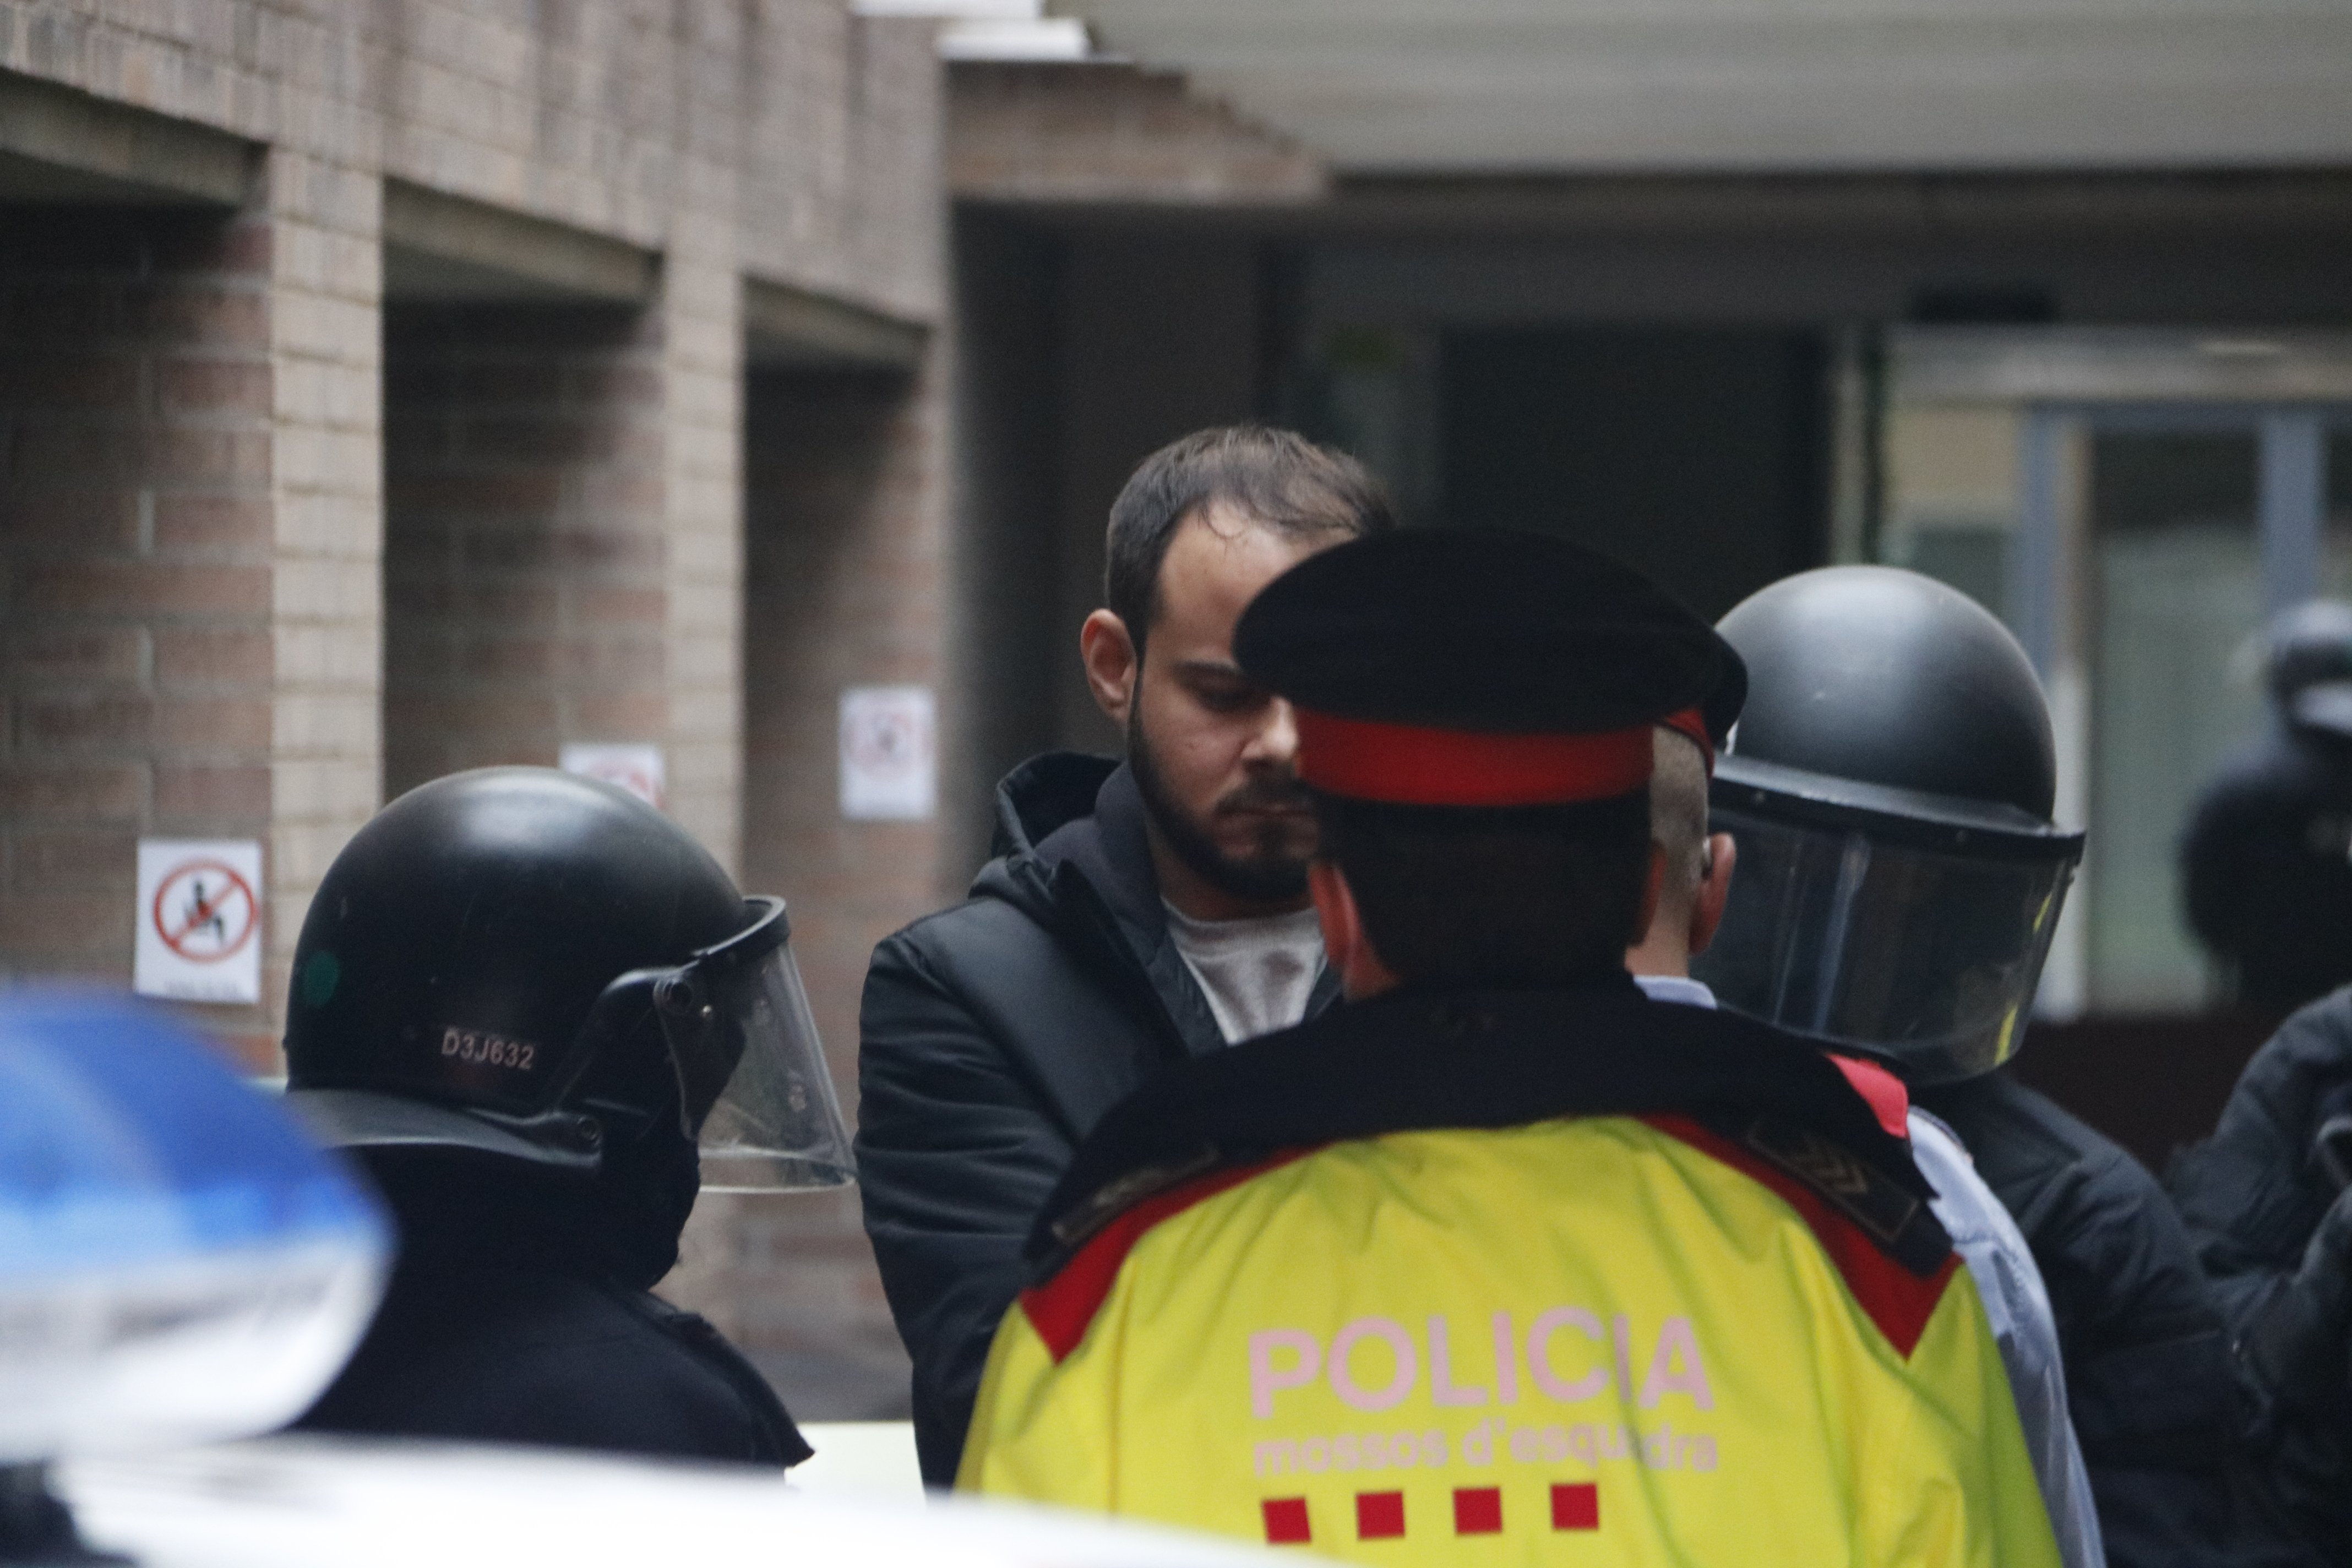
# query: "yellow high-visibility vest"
[1597,1340]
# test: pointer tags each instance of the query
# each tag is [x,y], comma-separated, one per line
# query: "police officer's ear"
[1345,943]
[1112,664]
[1714,890]
[1653,887]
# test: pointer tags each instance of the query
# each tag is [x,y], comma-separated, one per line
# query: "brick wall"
[524,552]
[326,527]
[844,586]
[237,603]
[1114,134]
[843,144]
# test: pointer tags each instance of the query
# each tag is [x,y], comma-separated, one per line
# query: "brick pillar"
[326,514]
[844,553]
[702,479]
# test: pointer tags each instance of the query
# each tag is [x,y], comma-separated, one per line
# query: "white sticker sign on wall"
[199,919]
[890,753]
[635,768]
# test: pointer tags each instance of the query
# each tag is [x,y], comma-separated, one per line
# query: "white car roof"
[321,1502]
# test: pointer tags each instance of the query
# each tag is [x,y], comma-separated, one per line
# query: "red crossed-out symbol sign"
[203,912]
[885,740]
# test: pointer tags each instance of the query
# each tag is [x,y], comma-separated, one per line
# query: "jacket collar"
[1425,1058]
[1074,851]
[1046,793]
[1111,849]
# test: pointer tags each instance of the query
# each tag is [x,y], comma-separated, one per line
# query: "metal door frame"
[2290,501]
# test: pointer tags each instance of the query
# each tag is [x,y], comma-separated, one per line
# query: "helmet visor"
[1928,956]
[752,1070]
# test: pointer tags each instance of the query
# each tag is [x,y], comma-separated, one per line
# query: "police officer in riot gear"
[2266,1200]
[2269,886]
[2267,863]
[2267,857]
[519,998]
[1890,789]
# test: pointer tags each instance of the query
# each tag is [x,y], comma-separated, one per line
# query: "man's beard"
[1273,872]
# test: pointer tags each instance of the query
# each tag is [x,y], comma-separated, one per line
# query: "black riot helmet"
[2307,660]
[523,965]
[1889,786]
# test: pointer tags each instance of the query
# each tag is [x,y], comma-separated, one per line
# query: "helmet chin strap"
[640,1200]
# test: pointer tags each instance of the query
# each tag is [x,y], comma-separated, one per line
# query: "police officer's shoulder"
[553,1358]
[2021,1139]
[1472,1058]
[2310,1054]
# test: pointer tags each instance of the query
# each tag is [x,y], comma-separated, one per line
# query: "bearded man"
[1137,913]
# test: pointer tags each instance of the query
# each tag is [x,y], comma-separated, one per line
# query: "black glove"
[2292,1344]
[2254,1194]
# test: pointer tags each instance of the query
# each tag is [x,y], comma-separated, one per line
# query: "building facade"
[394,386]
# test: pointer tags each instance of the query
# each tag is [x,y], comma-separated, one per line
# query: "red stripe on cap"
[1405,765]
[1691,723]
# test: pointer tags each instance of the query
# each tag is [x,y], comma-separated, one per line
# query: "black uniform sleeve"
[2147,1373]
[956,1153]
[487,1354]
[2147,1369]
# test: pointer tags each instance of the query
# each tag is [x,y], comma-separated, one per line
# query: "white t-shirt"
[1258,973]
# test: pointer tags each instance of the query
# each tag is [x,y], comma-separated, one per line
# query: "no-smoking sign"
[199,919]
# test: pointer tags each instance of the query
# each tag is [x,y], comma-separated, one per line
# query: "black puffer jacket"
[2148,1374]
[2253,1197]
[992,1036]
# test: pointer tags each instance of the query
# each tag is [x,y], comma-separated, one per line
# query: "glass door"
[2154,541]
[2176,592]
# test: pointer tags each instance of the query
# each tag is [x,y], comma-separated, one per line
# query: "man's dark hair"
[1278,478]
[1519,896]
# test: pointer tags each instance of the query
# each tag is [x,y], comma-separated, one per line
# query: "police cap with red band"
[1478,668]
[1708,723]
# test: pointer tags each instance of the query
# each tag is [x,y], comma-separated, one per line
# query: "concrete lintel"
[2137,365]
[1109,133]
[788,328]
[443,247]
[60,145]
[1942,206]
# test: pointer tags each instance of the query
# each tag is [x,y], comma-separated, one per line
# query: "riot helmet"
[521,964]
[1889,786]
[2307,663]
